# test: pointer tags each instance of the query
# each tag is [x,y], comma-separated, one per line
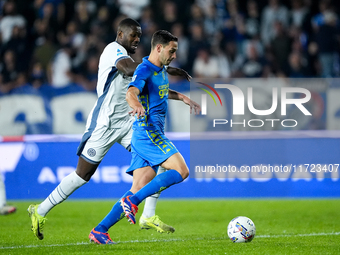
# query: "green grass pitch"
[283,227]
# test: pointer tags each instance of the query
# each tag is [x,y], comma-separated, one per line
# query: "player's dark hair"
[127,23]
[162,37]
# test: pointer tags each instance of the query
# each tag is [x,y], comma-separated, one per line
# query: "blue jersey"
[153,84]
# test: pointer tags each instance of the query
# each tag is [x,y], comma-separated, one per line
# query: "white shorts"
[95,144]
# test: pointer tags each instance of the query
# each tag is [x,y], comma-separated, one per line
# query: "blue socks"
[115,215]
[159,183]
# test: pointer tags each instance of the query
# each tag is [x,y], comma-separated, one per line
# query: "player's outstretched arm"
[132,99]
[127,66]
[174,95]
[178,72]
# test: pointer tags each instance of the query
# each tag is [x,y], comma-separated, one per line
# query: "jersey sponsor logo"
[163,90]
[91,152]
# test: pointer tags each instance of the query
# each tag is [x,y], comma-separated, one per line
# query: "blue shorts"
[149,148]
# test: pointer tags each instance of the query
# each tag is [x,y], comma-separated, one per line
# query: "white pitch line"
[299,235]
[169,240]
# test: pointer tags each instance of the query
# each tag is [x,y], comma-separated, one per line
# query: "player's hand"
[139,111]
[194,107]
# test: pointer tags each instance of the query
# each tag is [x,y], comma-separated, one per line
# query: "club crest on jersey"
[91,152]
[155,74]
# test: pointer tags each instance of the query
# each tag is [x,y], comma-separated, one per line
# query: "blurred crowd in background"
[58,43]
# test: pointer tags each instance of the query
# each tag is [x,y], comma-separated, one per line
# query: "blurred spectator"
[83,15]
[281,45]
[147,18]
[38,75]
[272,63]
[234,58]
[72,36]
[306,25]
[307,59]
[56,9]
[169,15]
[298,66]
[76,39]
[104,20]
[205,65]
[319,19]
[221,9]
[49,16]
[253,19]
[115,23]
[234,25]
[271,13]
[95,42]
[253,66]
[296,34]
[40,30]
[211,22]
[183,46]
[61,67]
[197,15]
[10,20]
[89,73]
[86,6]
[198,41]
[148,27]
[21,47]
[132,8]
[103,17]
[147,35]
[327,42]
[224,69]
[205,5]
[298,12]
[44,50]
[10,75]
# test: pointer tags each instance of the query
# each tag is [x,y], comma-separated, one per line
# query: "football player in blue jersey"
[148,96]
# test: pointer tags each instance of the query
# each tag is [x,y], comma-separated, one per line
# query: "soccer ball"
[241,230]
